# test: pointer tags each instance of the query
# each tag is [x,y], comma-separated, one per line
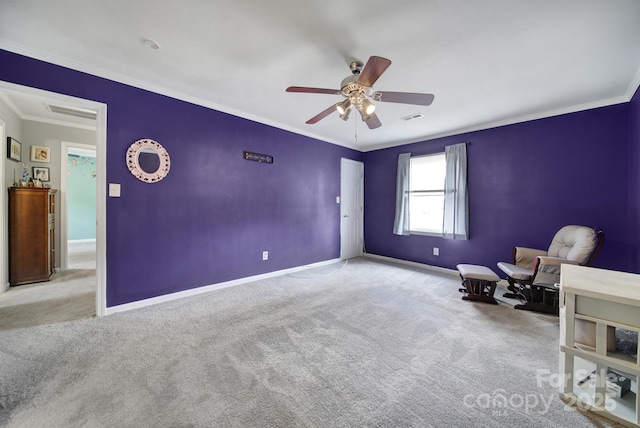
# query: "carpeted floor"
[68,296]
[366,344]
[81,254]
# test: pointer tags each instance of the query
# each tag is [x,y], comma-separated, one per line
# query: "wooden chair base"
[477,290]
[539,307]
[535,298]
[479,283]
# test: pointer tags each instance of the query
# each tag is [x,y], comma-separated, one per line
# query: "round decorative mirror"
[148,161]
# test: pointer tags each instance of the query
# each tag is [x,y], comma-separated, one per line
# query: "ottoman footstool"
[479,283]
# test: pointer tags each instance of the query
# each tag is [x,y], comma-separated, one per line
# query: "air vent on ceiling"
[73,111]
[413,116]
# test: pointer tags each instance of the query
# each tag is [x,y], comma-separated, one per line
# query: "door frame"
[360,165]
[101,180]
[4,240]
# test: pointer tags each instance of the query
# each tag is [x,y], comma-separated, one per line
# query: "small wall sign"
[258,157]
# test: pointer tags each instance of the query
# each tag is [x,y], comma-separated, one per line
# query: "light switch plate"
[114,190]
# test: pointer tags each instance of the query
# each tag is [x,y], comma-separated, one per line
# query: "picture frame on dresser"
[41,173]
[14,149]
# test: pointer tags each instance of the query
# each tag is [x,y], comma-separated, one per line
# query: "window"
[431,194]
[426,193]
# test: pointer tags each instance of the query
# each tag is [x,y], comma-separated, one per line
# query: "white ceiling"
[489,63]
[36,108]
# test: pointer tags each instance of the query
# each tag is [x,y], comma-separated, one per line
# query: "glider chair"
[533,273]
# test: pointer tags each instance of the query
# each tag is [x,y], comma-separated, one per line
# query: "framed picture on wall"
[40,154]
[14,149]
[41,173]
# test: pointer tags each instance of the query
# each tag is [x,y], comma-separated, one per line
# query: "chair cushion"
[482,273]
[574,243]
[515,272]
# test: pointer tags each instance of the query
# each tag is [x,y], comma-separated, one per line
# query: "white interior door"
[351,208]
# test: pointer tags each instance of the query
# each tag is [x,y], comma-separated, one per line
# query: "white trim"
[633,86]
[4,239]
[117,77]
[207,288]
[79,241]
[422,266]
[417,265]
[101,211]
[505,122]
[96,71]
[64,203]
[58,122]
[90,153]
[100,72]
[14,108]
[101,178]
[49,96]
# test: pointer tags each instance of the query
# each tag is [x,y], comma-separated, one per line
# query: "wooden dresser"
[32,254]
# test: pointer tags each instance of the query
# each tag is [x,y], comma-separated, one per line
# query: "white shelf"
[609,299]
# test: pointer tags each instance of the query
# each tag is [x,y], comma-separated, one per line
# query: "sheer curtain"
[456,196]
[401,221]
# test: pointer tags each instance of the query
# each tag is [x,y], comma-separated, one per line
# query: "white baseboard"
[80,241]
[423,266]
[207,288]
[413,264]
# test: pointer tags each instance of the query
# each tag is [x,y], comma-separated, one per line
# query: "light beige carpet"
[81,254]
[366,345]
[68,296]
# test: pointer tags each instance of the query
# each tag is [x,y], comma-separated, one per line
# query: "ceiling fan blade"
[321,115]
[313,90]
[403,98]
[373,70]
[373,122]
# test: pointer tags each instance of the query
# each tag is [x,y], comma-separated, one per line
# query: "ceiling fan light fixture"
[364,115]
[344,107]
[367,107]
[359,95]
[345,116]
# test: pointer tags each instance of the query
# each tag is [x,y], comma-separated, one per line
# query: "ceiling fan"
[358,93]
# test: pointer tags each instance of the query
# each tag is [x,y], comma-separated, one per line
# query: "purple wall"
[210,219]
[634,176]
[215,213]
[526,181]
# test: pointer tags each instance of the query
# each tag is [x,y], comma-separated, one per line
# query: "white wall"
[12,128]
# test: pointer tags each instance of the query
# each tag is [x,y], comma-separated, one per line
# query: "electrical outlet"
[265,255]
[436,251]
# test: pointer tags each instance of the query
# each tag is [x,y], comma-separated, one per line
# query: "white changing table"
[607,298]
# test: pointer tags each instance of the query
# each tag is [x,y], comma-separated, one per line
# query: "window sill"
[434,234]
